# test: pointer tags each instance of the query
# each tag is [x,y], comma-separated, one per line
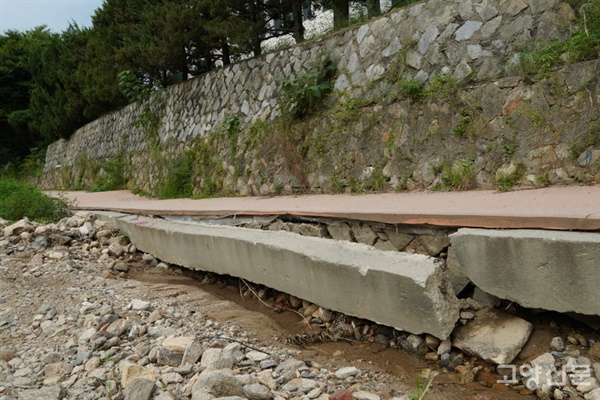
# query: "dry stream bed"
[84,315]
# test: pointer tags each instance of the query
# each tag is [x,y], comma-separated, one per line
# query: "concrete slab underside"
[405,291]
[549,270]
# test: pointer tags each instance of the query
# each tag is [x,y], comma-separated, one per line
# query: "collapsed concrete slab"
[550,270]
[405,291]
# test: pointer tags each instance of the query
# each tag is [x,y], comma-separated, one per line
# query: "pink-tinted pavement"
[564,208]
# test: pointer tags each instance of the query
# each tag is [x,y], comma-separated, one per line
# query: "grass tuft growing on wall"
[179,182]
[582,44]
[113,176]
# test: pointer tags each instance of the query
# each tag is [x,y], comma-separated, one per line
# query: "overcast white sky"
[22,15]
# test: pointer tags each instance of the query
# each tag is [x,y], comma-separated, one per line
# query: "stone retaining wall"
[463,39]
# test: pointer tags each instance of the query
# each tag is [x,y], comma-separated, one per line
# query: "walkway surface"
[564,207]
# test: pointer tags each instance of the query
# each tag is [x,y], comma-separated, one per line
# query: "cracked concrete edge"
[406,291]
[549,270]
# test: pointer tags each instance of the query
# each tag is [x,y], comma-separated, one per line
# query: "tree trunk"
[373,8]
[185,67]
[256,49]
[298,25]
[226,54]
[341,13]
[255,40]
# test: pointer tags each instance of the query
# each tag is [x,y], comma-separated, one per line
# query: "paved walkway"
[564,208]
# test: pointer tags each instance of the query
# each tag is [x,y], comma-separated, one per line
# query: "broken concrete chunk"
[493,335]
[455,273]
[405,291]
[527,266]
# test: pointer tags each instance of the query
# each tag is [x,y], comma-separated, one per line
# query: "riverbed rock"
[219,383]
[131,372]
[493,335]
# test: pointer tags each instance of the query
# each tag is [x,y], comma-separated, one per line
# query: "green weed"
[304,93]
[443,86]
[376,181]
[112,175]
[337,185]
[461,126]
[179,181]
[459,176]
[19,199]
[507,182]
[583,43]
[413,88]
[421,388]
[589,139]
[544,179]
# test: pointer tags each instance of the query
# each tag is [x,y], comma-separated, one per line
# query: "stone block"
[18,227]
[141,389]
[219,383]
[131,372]
[192,353]
[467,30]
[454,272]
[341,394]
[384,245]
[177,343]
[52,392]
[399,239]
[216,359]
[364,234]
[493,335]
[434,244]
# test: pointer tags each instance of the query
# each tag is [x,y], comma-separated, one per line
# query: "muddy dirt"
[28,280]
[396,370]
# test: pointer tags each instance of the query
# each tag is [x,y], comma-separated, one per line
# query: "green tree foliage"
[15,85]
[40,98]
[162,41]
[56,104]
[53,83]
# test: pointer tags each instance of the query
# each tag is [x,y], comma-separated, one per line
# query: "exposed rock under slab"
[493,335]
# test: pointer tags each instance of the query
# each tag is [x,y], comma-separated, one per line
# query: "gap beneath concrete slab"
[378,279]
[406,291]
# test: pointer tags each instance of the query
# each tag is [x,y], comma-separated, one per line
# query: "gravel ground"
[84,315]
